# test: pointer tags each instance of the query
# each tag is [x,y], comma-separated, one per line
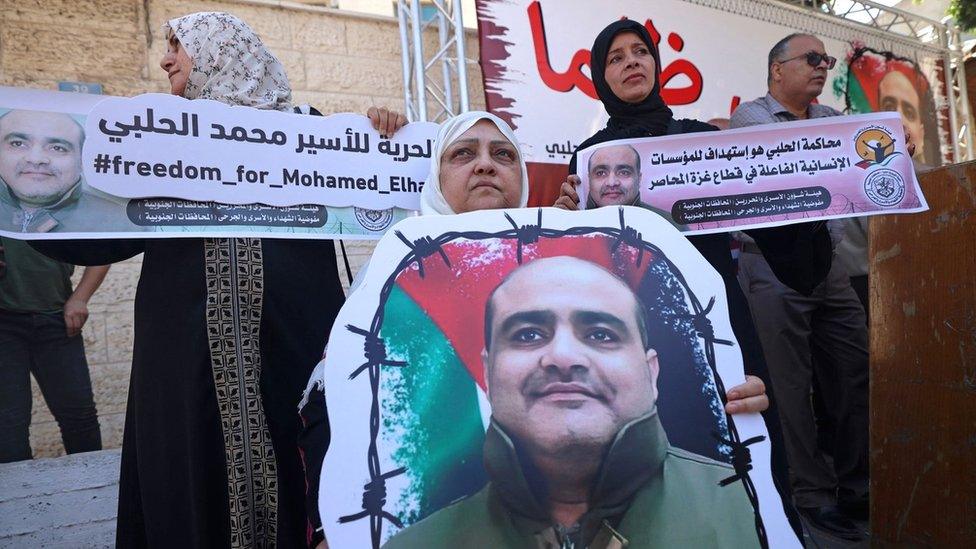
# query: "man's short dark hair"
[81,127]
[640,312]
[589,162]
[778,51]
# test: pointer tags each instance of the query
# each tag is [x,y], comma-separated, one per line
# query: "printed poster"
[481,346]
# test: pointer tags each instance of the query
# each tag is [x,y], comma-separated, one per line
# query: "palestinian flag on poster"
[434,413]
[866,69]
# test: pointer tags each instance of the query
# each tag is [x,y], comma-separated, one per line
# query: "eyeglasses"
[814,59]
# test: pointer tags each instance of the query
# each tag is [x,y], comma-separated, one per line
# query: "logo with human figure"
[875,146]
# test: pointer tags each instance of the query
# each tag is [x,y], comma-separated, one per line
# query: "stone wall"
[336,60]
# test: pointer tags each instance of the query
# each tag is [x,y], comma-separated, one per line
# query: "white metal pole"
[418,56]
[405,60]
[951,96]
[966,113]
[444,38]
[462,61]
[963,101]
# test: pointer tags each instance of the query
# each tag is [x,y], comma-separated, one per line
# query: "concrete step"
[68,501]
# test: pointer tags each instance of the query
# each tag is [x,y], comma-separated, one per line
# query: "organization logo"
[875,145]
[374,220]
[885,187]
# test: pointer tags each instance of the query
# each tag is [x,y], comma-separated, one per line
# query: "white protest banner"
[536,62]
[775,174]
[44,193]
[163,145]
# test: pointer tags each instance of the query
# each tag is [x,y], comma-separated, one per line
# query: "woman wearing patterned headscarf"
[227,331]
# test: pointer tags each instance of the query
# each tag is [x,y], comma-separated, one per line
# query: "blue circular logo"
[884,187]
[374,220]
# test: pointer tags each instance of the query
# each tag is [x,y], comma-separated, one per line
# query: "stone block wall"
[336,60]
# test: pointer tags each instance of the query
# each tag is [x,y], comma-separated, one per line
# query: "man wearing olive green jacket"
[575,452]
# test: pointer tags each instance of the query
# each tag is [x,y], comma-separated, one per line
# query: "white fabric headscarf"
[432,201]
[230,63]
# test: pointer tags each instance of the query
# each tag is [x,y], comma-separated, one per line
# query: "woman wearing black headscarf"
[626,71]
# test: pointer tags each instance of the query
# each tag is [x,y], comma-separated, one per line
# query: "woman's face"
[177,64]
[480,170]
[630,69]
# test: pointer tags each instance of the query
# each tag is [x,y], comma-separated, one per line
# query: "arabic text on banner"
[762,175]
[158,166]
[161,145]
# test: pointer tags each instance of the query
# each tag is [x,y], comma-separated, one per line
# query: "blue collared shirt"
[767,110]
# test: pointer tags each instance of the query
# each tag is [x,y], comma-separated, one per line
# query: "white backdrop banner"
[536,63]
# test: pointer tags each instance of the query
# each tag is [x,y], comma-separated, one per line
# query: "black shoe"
[854,507]
[829,519]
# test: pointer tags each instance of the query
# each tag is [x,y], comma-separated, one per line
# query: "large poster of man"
[883,81]
[539,377]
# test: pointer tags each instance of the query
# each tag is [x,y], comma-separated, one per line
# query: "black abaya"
[797,252]
[174,486]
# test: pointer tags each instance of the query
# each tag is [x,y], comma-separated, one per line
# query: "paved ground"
[67,502]
[71,501]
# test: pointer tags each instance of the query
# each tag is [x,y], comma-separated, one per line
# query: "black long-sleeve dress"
[227,333]
[800,256]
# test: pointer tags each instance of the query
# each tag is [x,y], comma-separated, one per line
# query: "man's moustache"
[540,382]
[37,170]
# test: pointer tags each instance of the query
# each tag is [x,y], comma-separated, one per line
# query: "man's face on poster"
[40,155]
[897,94]
[566,364]
[614,174]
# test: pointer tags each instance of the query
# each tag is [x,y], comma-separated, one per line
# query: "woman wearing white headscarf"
[227,332]
[476,166]
[458,185]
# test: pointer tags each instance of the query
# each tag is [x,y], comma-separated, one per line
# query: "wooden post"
[923,367]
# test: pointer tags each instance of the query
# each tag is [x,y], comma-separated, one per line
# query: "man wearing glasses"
[829,323]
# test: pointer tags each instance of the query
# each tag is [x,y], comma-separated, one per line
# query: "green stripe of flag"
[431,420]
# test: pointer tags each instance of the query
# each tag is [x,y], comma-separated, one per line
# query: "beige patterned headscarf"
[230,63]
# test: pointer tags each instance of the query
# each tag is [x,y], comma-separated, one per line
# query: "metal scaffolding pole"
[959,94]
[951,95]
[435,95]
[405,46]
[460,58]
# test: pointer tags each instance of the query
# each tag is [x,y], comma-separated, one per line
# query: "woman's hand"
[385,121]
[568,197]
[750,397]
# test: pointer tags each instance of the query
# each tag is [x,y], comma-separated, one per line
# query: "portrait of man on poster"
[614,175]
[575,451]
[42,188]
